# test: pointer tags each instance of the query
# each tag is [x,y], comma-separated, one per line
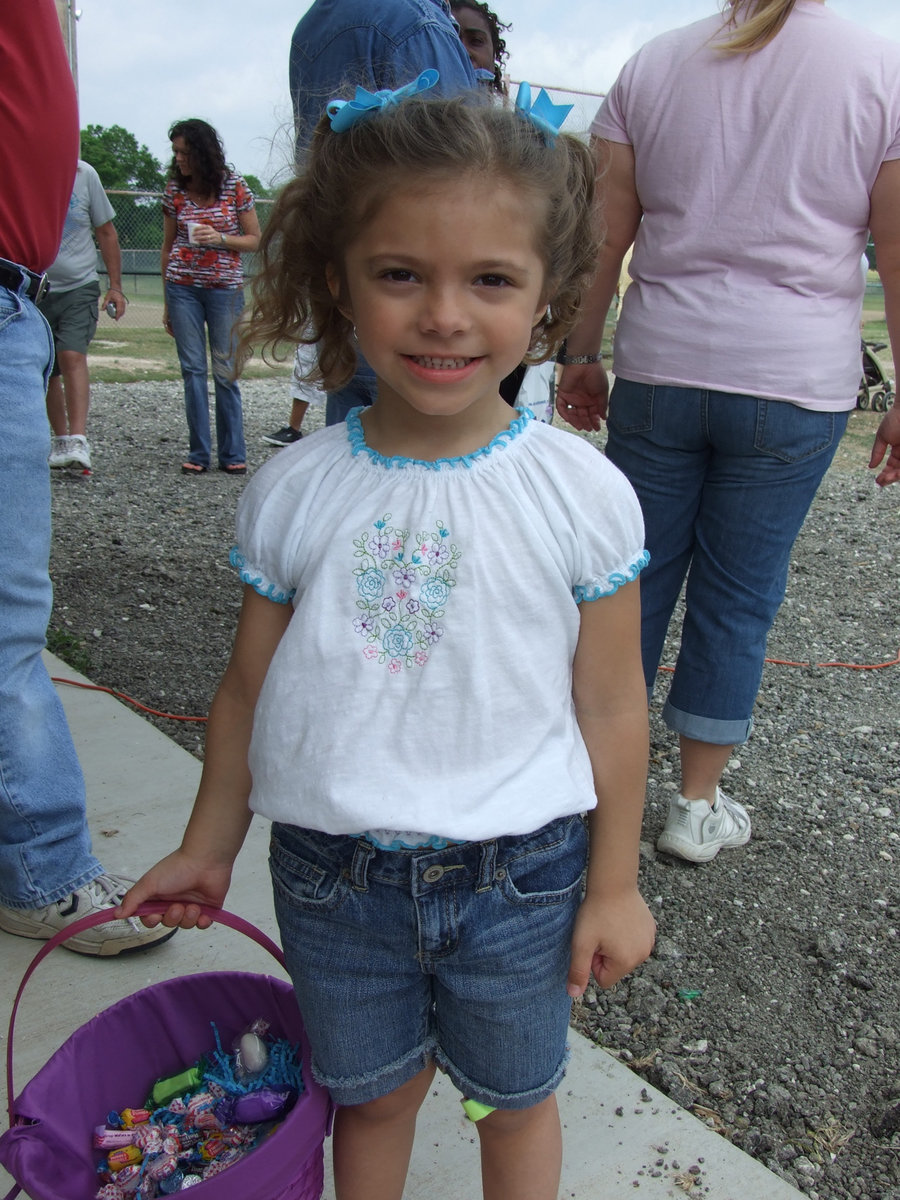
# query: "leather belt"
[13,275]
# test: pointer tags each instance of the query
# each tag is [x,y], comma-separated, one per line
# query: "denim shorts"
[459,955]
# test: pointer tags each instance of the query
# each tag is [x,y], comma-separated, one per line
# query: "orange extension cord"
[777,662]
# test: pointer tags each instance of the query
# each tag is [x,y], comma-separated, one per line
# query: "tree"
[120,162]
[259,189]
[124,165]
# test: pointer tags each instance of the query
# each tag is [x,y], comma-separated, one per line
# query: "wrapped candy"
[200,1121]
[134,1116]
[129,1178]
[123,1156]
[161,1166]
[109,1139]
[148,1139]
[110,1191]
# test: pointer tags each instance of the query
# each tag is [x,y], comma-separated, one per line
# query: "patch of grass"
[140,350]
[70,649]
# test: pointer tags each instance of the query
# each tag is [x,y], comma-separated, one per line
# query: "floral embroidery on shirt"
[403,586]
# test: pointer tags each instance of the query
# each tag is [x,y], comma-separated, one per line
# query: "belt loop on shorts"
[487,866]
[362,855]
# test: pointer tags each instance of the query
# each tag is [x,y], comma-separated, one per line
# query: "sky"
[143,66]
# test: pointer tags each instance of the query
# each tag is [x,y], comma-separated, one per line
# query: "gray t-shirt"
[76,262]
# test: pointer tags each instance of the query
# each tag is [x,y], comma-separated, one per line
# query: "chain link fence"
[139,224]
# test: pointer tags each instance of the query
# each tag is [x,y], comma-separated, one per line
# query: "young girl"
[438,654]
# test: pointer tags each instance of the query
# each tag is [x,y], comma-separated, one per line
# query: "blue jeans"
[361,390]
[45,849]
[401,957]
[193,311]
[725,482]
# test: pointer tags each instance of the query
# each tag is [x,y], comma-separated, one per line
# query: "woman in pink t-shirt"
[745,156]
[209,220]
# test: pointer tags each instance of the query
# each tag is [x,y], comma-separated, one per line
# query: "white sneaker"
[697,831]
[59,452]
[79,451]
[104,940]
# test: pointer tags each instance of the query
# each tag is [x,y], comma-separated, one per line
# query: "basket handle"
[150,908]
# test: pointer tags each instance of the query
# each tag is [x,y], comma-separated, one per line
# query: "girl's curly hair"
[346,178]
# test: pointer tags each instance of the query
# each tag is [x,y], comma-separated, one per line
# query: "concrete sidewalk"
[621,1135]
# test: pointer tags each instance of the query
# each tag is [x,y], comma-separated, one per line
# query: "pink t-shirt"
[754,174]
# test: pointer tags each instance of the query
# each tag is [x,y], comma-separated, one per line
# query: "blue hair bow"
[543,114]
[346,113]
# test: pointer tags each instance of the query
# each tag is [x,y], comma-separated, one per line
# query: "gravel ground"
[770,1006]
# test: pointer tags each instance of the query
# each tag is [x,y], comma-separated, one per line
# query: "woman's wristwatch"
[222,239]
[578,360]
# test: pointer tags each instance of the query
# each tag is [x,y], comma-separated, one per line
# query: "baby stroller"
[876,389]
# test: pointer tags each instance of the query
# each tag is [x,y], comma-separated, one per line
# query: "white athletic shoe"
[697,831]
[113,937]
[79,452]
[59,452]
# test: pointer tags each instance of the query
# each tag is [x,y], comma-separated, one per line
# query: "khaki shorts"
[72,317]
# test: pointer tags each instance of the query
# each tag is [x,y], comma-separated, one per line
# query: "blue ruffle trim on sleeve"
[615,581]
[271,591]
[358,445]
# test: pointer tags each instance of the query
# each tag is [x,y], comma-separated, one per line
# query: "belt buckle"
[43,287]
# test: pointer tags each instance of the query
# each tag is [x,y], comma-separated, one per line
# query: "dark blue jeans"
[193,311]
[725,482]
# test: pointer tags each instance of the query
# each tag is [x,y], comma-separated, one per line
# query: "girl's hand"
[582,395]
[613,935]
[185,882]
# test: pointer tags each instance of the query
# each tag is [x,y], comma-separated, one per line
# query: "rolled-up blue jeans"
[45,850]
[192,312]
[725,482]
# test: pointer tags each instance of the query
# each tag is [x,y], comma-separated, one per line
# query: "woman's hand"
[167,322]
[205,235]
[187,884]
[887,435]
[582,396]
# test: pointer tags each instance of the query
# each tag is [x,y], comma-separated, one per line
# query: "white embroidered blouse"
[424,681]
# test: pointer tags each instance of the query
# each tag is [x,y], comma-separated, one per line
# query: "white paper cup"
[193,226]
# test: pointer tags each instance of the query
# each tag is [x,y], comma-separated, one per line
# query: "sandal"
[233,468]
[190,468]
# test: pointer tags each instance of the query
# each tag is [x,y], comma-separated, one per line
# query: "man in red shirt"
[48,875]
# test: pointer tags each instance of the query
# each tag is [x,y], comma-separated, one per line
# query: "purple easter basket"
[112,1061]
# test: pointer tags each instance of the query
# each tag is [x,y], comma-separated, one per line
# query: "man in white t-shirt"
[71,308]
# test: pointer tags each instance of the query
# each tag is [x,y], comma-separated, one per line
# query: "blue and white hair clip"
[544,114]
[346,113]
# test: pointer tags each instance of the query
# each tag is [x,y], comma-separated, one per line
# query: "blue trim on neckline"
[357,440]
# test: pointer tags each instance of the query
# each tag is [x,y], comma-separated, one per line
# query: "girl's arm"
[614,930]
[199,871]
